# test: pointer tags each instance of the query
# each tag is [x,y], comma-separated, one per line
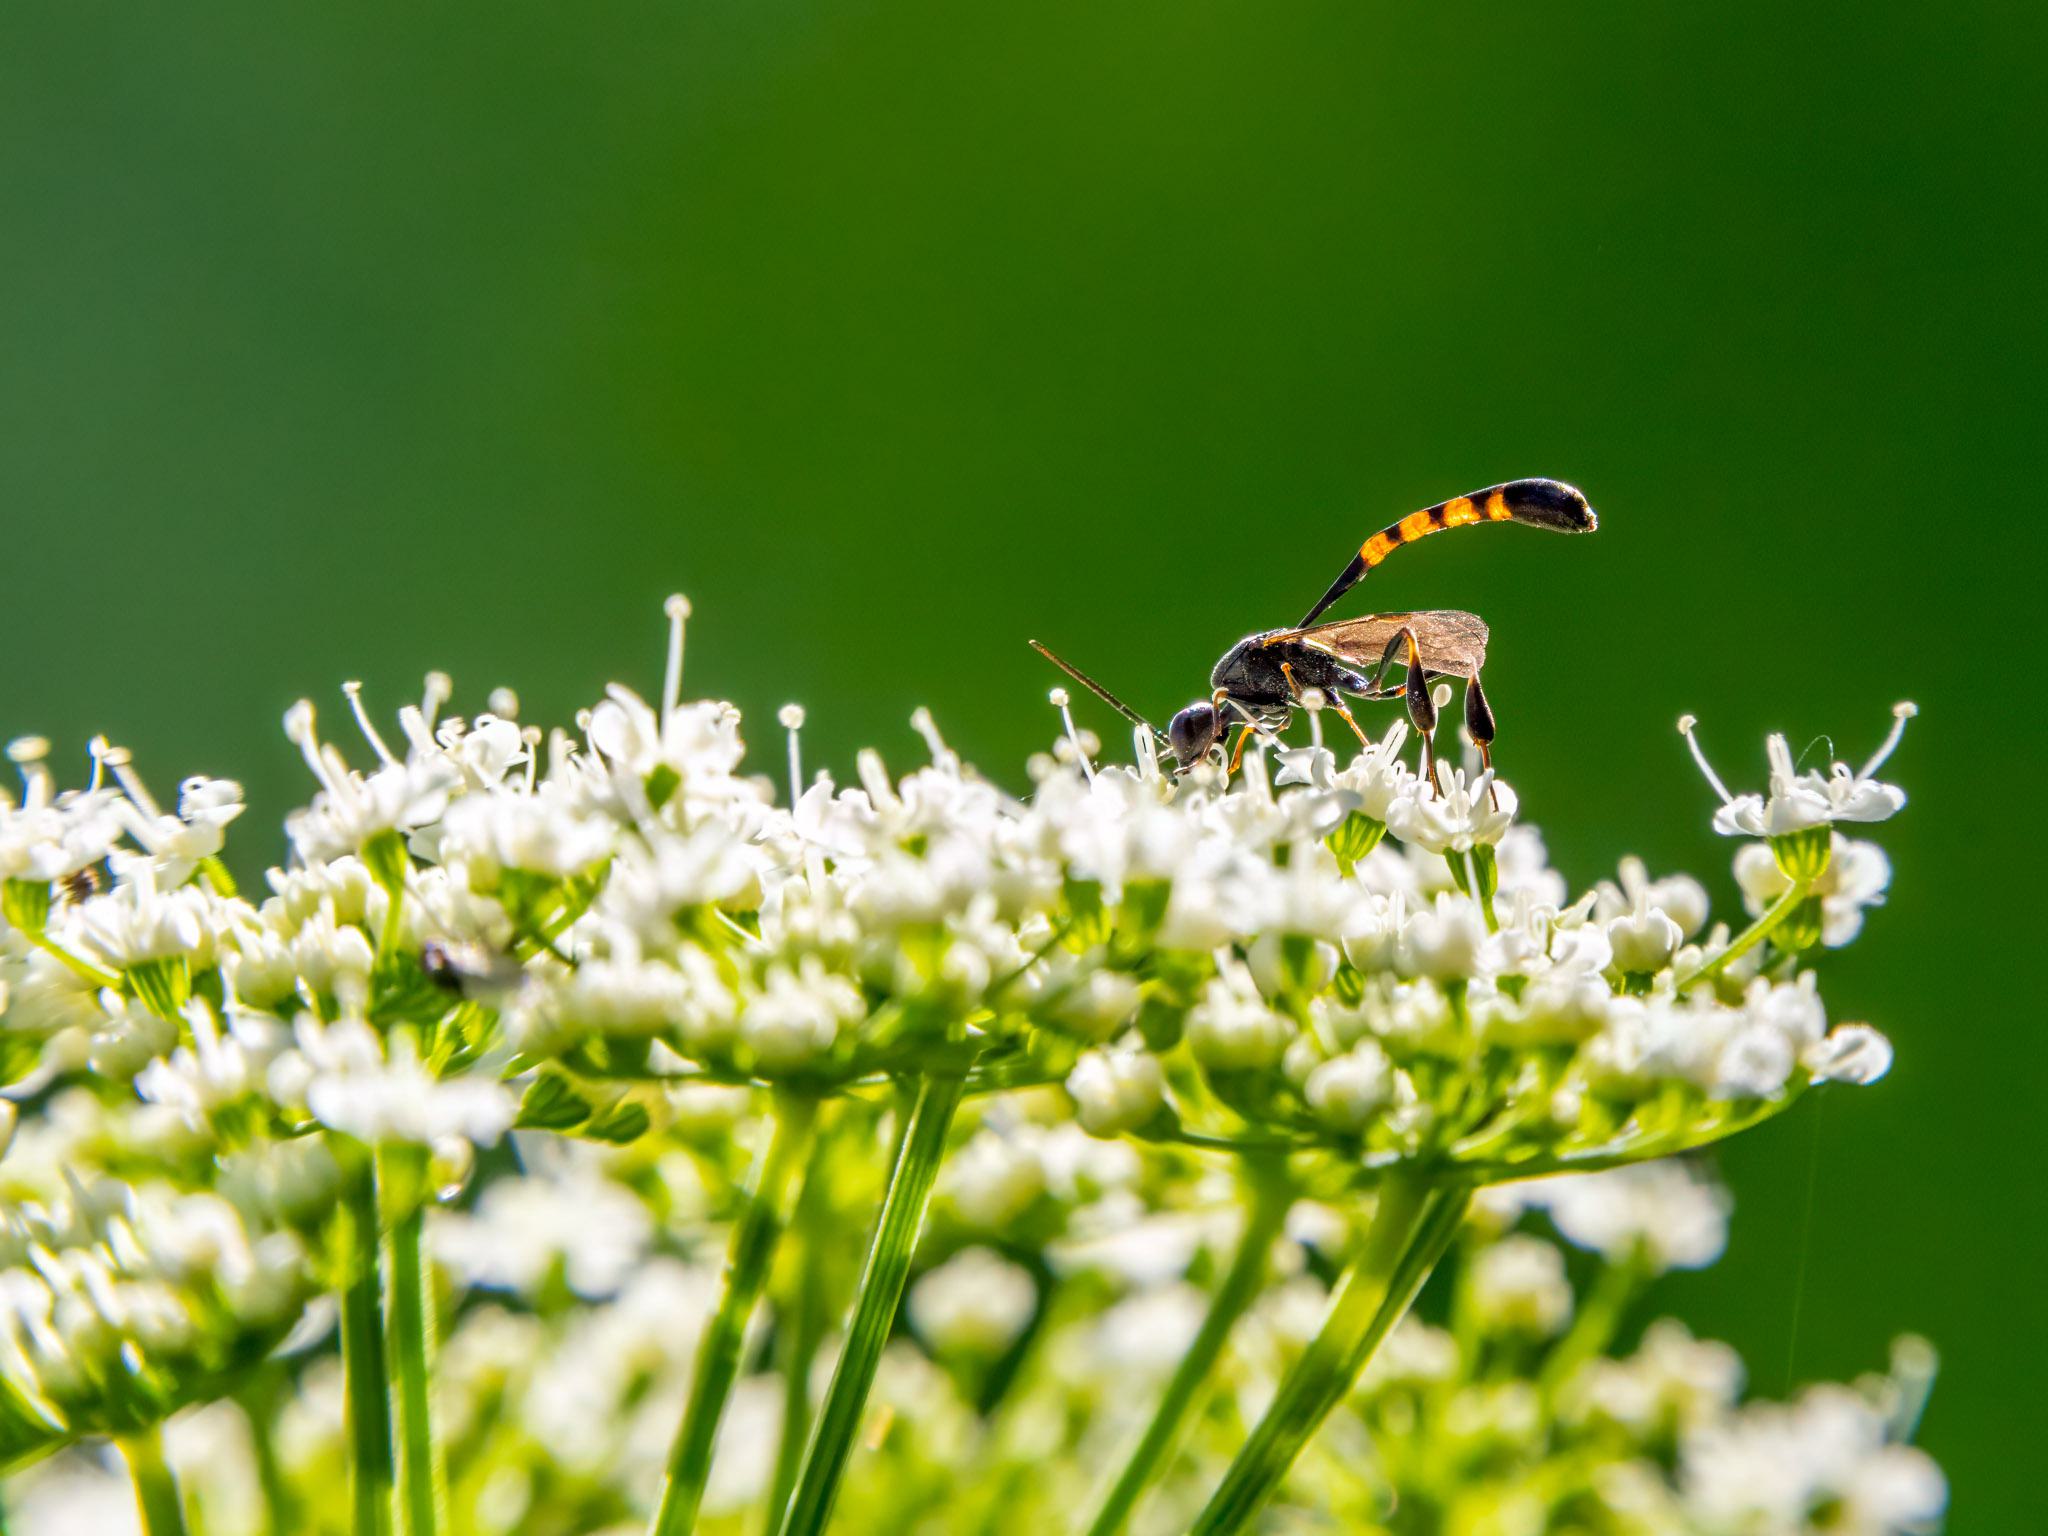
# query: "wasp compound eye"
[1192,732]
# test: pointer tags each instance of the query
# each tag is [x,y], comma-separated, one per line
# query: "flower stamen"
[1901,713]
[27,754]
[791,718]
[354,690]
[119,762]
[678,608]
[436,689]
[1060,702]
[1313,701]
[1686,724]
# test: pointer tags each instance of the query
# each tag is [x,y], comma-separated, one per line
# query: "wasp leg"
[1402,639]
[1479,726]
[1244,734]
[1335,701]
[1421,707]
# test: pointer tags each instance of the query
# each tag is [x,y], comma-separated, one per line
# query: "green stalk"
[410,1327]
[1485,877]
[1415,1222]
[874,1309]
[1598,1320]
[366,1385]
[747,1262]
[803,1329]
[1751,936]
[156,1490]
[259,1402]
[92,975]
[1271,1194]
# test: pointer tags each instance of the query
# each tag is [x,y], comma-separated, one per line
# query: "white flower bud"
[1232,1030]
[1756,1063]
[1281,963]
[1519,1286]
[993,1180]
[1645,940]
[1116,1091]
[975,1303]
[1443,942]
[1349,1090]
[797,1016]
[1851,1053]
[1662,1212]
[1100,1005]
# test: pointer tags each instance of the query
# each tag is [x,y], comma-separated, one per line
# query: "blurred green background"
[347,345]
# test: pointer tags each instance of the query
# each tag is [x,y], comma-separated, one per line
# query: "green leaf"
[552,1104]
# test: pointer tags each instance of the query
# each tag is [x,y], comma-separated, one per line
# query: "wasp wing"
[1450,642]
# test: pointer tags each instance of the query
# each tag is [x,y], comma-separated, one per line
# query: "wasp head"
[1193,733]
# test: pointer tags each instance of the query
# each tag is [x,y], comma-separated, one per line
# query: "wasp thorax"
[1192,732]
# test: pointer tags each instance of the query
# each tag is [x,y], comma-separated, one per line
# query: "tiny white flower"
[993,1180]
[1444,941]
[1644,940]
[1233,1029]
[1470,812]
[351,809]
[1347,1091]
[1099,1005]
[1800,801]
[1378,777]
[1662,1213]
[341,1072]
[798,1015]
[975,1303]
[1518,1285]
[1116,1091]
[536,833]
[1679,897]
[136,922]
[1851,1053]
[566,1212]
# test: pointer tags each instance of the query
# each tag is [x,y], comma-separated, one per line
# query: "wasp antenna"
[1098,690]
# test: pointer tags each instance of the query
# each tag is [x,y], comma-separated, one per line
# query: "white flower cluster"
[1513,1408]
[121,1302]
[492,929]
[640,906]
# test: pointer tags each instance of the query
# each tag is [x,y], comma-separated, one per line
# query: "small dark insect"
[1261,679]
[469,969]
[80,883]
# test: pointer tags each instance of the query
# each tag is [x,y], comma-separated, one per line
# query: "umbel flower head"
[1366,977]
[625,904]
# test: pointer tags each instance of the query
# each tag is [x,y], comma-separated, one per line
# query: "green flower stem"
[1751,936]
[1416,1221]
[410,1329]
[1271,1195]
[747,1262]
[803,1329]
[217,875]
[259,1401]
[92,975]
[156,1490]
[366,1384]
[1483,882]
[874,1309]
[1599,1318]
[1634,1149]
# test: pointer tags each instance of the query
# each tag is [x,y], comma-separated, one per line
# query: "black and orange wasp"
[1263,677]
